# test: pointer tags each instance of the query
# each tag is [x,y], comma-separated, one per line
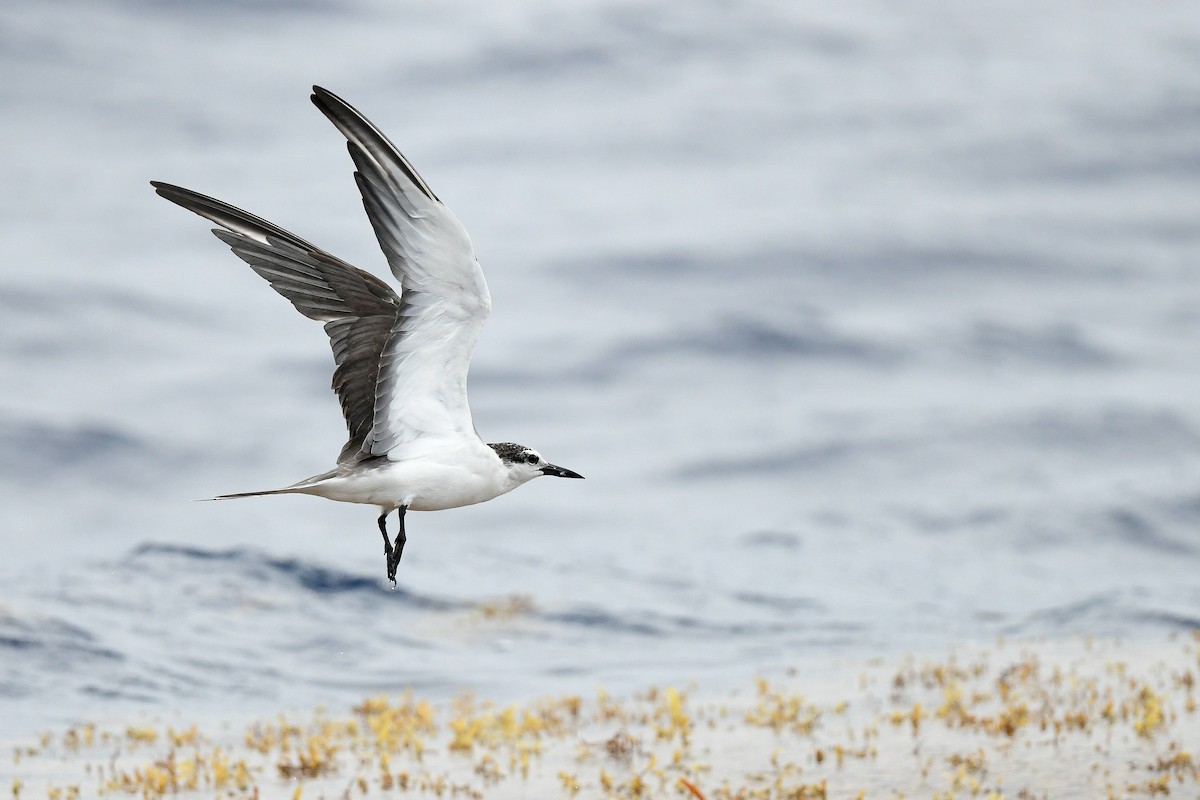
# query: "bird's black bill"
[559,472]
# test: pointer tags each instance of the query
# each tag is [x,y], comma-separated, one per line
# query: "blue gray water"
[872,327]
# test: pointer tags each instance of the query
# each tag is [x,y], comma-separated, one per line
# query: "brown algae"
[1100,719]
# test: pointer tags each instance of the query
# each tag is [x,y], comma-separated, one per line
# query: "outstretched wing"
[359,310]
[421,394]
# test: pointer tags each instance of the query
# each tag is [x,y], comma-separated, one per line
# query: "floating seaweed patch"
[997,725]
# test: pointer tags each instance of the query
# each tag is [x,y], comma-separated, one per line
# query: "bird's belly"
[421,486]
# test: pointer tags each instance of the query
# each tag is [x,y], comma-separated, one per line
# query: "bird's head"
[524,463]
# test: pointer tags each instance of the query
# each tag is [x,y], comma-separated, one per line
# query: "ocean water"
[873,327]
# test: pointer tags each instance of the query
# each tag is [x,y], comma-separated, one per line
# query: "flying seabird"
[401,359]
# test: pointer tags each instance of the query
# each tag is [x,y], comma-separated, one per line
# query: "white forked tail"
[302,487]
[288,490]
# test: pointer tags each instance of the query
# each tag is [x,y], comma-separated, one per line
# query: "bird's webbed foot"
[394,551]
[387,543]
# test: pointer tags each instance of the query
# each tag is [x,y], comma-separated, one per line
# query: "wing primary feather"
[401,360]
[359,309]
[227,216]
[357,128]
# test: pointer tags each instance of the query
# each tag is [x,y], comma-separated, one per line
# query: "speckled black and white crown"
[509,452]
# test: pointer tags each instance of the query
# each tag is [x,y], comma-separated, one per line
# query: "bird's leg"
[387,543]
[397,549]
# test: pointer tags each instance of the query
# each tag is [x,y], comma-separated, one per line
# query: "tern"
[401,360]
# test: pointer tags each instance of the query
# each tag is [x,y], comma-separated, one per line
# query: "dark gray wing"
[358,309]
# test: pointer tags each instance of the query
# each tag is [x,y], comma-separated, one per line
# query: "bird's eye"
[531,459]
